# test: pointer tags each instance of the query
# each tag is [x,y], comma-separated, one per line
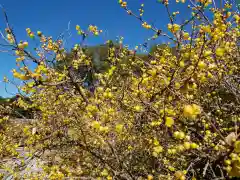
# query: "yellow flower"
[150,177]
[173,28]
[19,59]
[20,45]
[31,35]
[186,36]
[124,4]
[158,149]
[25,44]
[207,53]
[5,79]
[181,135]
[196,109]
[96,125]
[28,30]
[147,26]
[220,51]
[236,17]
[39,33]
[169,121]
[177,85]
[20,76]
[181,64]
[77,27]
[188,111]
[109,178]
[194,146]
[169,27]
[206,29]
[119,128]
[138,108]
[187,145]
[201,65]
[179,175]
[104,172]
[191,111]
[176,28]
[24,77]
[171,168]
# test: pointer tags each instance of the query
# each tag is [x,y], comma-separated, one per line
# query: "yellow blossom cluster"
[10,36]
[94,30]
[30,33]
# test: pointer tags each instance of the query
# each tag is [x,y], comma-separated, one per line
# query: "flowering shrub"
[174,115]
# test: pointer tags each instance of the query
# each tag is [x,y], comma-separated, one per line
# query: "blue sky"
[52,18]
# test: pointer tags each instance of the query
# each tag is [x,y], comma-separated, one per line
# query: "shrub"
[173,115]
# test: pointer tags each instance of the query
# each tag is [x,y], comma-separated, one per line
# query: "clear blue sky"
[52,17]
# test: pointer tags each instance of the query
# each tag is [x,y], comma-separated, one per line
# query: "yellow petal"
[169,121]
